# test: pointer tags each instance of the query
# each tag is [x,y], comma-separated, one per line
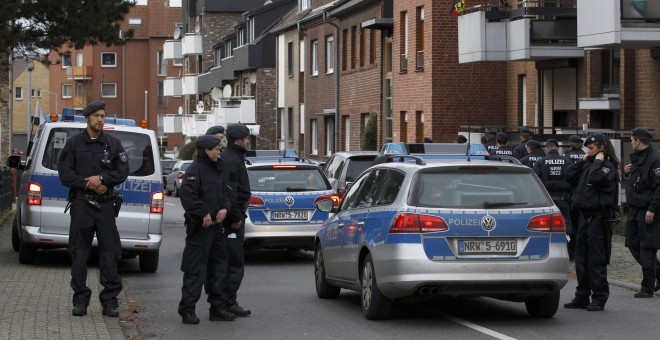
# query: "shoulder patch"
[123,157]
[656,171]
[606,170]
[191,178]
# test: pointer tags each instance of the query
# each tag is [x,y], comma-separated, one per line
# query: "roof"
[290,20]
[231,5]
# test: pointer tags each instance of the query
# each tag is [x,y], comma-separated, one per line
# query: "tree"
[30,26]
[370,135]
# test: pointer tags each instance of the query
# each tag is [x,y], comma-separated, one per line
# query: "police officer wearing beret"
[204,260]
[501,139]
[643,197]
[595,197]
[91,164]
[236,177]
[534,153]
[219,132]
[576,153]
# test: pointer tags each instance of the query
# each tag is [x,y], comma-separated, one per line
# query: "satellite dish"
[216,93]
[200,107]
[177,33]
[226,91]
[180,111]
[253,78]
[197,28]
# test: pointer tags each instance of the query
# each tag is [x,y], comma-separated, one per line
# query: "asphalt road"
[279,289]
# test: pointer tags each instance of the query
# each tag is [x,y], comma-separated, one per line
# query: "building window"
[404,41]
[135,21]
[241,37]
[161,64]
[344,49]
[251,29]
[329,54]
[18,93]
[79,59]
[315,57]
[347,133]
[108,59]
[66,60]
[404,126]
[289,56]
[313,125]
[289,121]
[162,100]
[36,93]
[79,89]
[372,46]
[228,49]
[419,57]
[66,90]
[301,61]
[420,126]
[304,4]
[109,90]
[353,45]
[362,47]
[329,135]
[218,57]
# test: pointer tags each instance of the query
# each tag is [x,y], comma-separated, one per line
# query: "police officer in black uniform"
[219,132]
[643,197]
[534,154]
[501,139]
[461,139]
[576,153]
[520,150]
[236,177]
[204,260]
[595,197]
[491,143]
[551,169]
[91,164]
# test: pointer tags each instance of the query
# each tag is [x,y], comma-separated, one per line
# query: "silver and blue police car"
[282,212]
[410,231]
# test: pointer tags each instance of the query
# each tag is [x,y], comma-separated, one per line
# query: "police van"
[40,221]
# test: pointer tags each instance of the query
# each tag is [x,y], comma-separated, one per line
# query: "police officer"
[91,164]
[204,259]
[643,197]
[551,169]
[219,132]
[501,139]
[576,153]
[461,139]
[491,143]
[534,153]
[520,151]
[595,197]
[236,177]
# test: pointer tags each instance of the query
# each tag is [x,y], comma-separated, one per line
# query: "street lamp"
[30,67]
[146,98]
[53,94]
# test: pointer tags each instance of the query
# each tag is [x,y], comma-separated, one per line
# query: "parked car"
[282,212]
[166,166]
[173,181]
[344,167]
[406,231]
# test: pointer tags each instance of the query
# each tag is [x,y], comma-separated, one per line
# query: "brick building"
[41,98]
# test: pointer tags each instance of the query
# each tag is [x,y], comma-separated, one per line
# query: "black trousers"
[204,262]
[645,256]
[236,267]
[591,259]
[85,222]
[565,208]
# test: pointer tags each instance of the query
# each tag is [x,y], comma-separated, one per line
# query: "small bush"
[370,135]
[187,151]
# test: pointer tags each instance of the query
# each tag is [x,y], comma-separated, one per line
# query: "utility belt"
[97,198]
[93,200]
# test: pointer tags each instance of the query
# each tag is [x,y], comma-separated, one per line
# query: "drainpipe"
[337,44]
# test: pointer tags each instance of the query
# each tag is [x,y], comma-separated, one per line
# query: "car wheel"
[176,190]
[544,306]
[15,238]
[375,305]
[149,261]
[323,289]
[27,253]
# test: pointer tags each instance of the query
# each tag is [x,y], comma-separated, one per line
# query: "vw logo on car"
[289,201]
[488,223]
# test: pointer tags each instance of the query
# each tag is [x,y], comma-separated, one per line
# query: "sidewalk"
[35,301]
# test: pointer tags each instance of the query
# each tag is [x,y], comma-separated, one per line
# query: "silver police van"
[40,221]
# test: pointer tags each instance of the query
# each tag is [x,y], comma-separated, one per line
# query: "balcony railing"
[192,44]
[419,60]
[404,62]
[172,49]
[79,73]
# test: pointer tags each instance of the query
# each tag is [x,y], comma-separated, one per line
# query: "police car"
[281,211]
[40,221]
[408,231]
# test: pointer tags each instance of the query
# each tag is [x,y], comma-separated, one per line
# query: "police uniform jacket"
[502,150]
[237,180]
[520,151]
[203,188]
[491,145]
[595,184]
[551,169]
[643,185]
[84,157]
[574,155]
[531,159]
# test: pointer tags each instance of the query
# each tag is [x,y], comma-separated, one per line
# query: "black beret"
[237,131]
[551,142]
[525,130]
[461,139]
[491,133]
[428,140]
[595,138]
[207,142]
[533,144]
[575,139]
[502,135]
[93,107]
[215,129]
[641,133]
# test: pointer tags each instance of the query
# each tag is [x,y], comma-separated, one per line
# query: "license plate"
[289,215]
[469,247]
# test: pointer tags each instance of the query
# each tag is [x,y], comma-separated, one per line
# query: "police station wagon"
[40,221]
[406,232]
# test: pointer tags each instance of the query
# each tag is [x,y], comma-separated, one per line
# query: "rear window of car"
[287,180]
[357,165]
[184,166]
[478,190]
[137,146]
[167,165]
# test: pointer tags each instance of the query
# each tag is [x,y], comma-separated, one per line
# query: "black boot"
[575,304]
[189,318]
[239,311]
[221,315]
[110,310]
[79,309]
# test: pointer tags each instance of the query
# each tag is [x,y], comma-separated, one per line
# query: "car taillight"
[551,223]
[256,201]
[181,174]
[34,194]
[414,223]
[333,197]
[157,202]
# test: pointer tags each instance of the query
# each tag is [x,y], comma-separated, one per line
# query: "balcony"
[192,44]
[229,111]
[80,102]
[172,87]
[172,49]
[79,73]
[607,23]
[189,85]
[528,30]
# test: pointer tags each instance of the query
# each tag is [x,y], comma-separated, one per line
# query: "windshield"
[287,180]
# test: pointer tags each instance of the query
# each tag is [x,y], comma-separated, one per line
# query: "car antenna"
[469,132]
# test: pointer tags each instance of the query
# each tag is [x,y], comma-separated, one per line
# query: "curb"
[627,285]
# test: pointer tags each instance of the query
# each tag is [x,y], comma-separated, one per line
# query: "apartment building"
[30,90]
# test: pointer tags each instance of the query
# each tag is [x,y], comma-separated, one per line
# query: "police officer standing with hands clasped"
[236,177]
[643,197]
[91,164]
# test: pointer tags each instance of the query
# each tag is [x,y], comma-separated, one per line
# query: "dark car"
[344,167]
[166,165]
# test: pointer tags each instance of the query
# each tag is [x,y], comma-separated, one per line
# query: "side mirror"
[14,162]
[326,205]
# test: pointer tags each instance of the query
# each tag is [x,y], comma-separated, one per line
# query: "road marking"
[476,327]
